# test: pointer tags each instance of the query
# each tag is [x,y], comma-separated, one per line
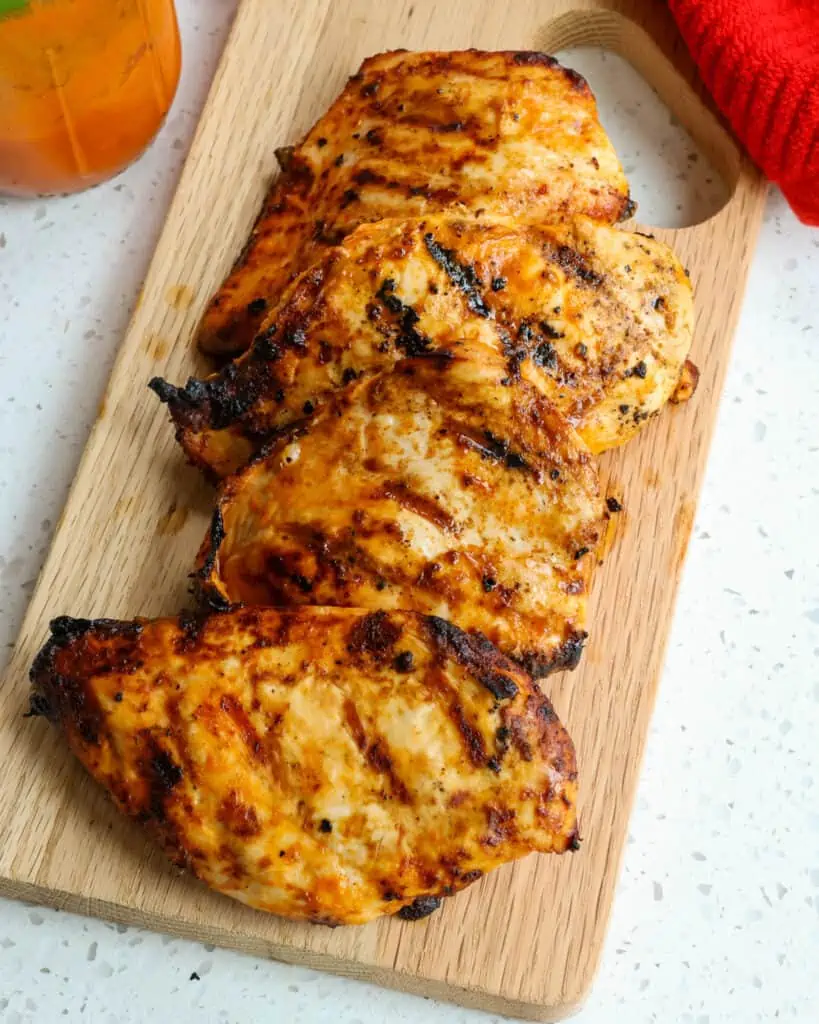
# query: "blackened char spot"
[61,671]
[421,906]
[404,662]
[550,332]
[163,774]
[215,538]
[461,275]
[38,707]
[367,176]
[501,450]
[575,263]
[217,401]
[567,656]
[166,772]
[478,656]
[376,634]
[284,156]
[629,209]
[191,625]
[410,340]
[545,355]
[533,57]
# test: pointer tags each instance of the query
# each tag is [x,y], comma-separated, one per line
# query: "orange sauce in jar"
[84,87]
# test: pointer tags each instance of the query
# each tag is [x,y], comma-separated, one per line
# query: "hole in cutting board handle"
[682,166]
[672,180]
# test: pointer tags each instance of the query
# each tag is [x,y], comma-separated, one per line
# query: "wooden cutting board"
[526,940]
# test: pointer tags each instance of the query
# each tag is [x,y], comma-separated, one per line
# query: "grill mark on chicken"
[354,725]
[245,728]
[474,652]
[468,733]
[473,741]
[378,756]
[162,775]
[176,725]
[421,506]
[490,447]
[462,275]
[240,818]
[375,753]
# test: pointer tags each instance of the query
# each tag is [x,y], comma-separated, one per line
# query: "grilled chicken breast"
[322,764]
[415,133]
[598,318]
[434,488]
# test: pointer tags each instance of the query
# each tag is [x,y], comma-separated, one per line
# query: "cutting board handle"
[647,38]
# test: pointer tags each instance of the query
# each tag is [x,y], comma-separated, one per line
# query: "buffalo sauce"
[84,87]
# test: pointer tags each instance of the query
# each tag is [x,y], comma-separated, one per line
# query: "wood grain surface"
[526,940]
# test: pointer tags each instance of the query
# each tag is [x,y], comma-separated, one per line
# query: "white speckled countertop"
[717,913]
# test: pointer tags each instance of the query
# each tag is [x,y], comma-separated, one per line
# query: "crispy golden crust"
[415,133]
[321,764]
[598,318]
[435,488]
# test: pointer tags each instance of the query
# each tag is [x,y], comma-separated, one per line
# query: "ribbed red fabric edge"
[760,61]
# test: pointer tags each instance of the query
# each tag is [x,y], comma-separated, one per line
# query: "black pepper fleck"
[613,505]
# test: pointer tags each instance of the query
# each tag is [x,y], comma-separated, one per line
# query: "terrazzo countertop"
[717,912]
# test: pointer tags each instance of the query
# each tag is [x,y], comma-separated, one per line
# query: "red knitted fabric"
[760,61]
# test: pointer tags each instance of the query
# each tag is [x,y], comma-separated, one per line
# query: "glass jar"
[84,87]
